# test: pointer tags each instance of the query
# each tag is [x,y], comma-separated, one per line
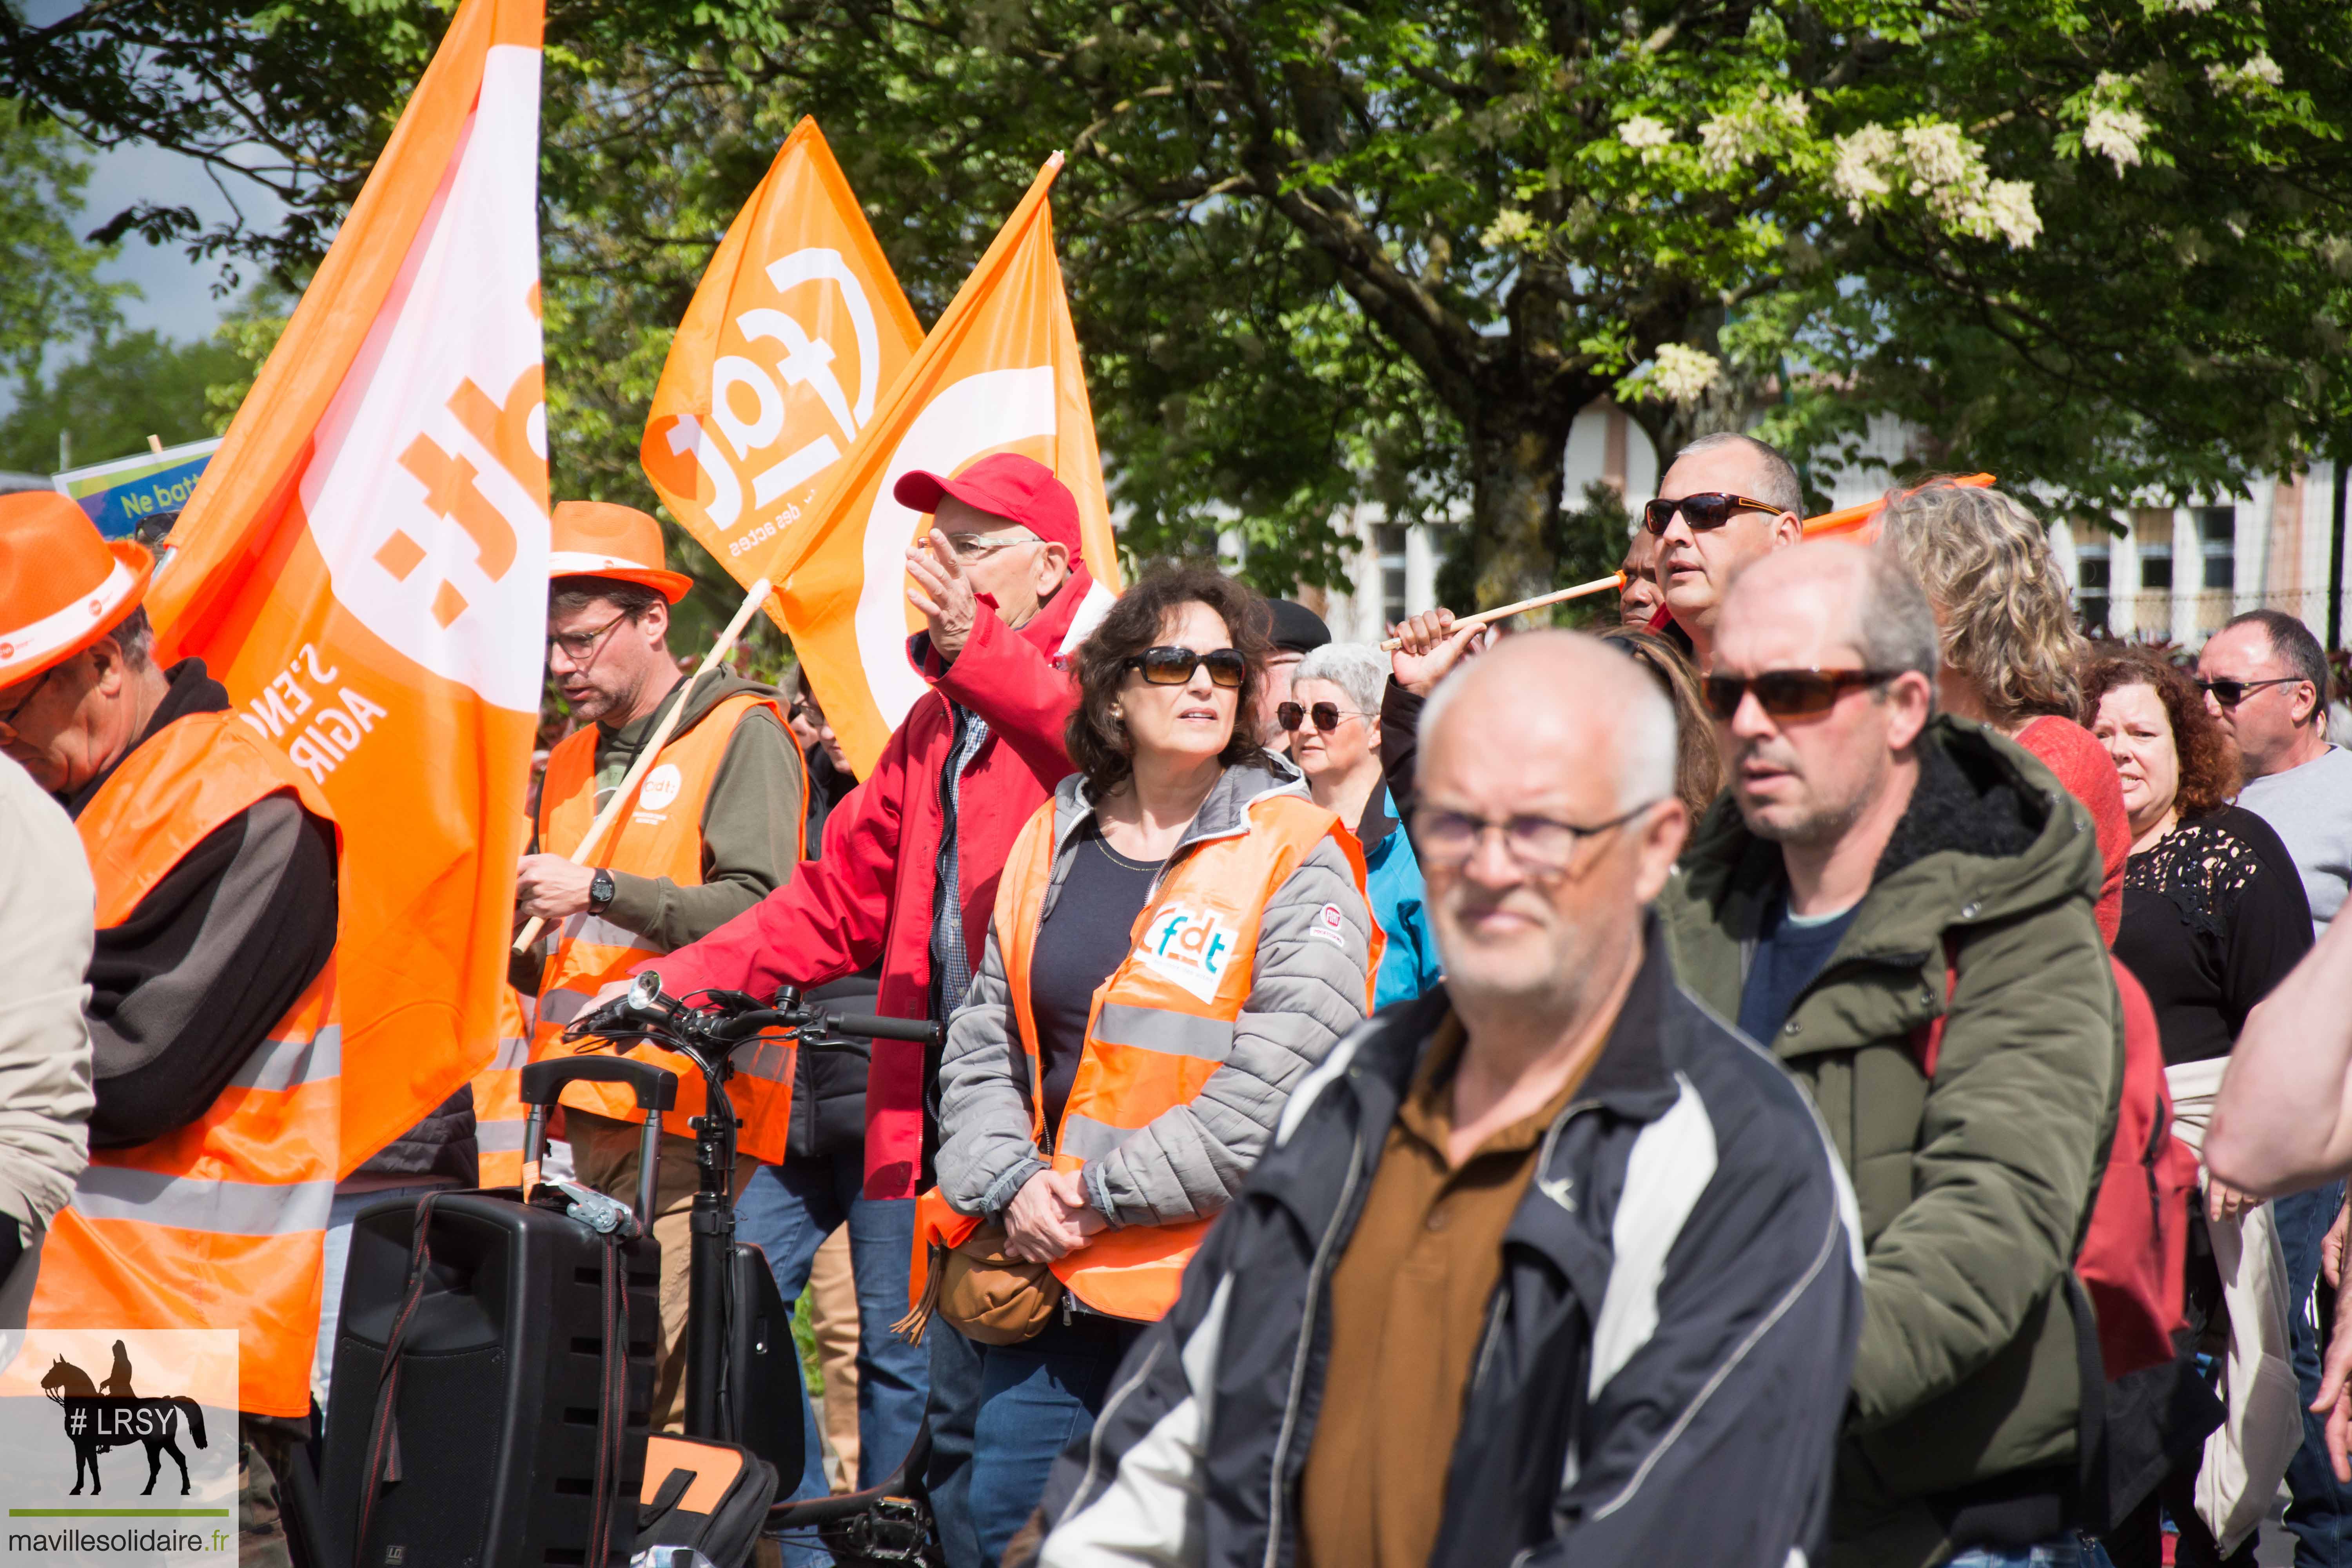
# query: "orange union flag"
[364,564]
[999,372]
[797,331]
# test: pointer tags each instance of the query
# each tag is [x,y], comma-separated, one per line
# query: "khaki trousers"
[833,1315]
[605,1154]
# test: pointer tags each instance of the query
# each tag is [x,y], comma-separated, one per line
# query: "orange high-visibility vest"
[659,835]
[499,1110]
[1159,1026]
[221,1223]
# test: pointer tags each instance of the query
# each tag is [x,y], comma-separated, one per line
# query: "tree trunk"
[1515,456]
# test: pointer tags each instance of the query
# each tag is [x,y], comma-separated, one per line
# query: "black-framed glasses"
[8,720]
[1168,666]
[578,646]
[1788,693]
[1327,715]
[1710,509]
[1539,844]
[2228,693]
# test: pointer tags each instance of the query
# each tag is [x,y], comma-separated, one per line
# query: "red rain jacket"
[868,897]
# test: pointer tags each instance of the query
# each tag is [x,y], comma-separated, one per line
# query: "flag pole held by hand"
[1846,519]
[1598,586]
[752,600]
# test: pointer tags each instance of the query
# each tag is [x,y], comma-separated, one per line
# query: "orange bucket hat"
[599,539]
[63,585]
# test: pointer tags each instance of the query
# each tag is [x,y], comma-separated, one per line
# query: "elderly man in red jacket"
[910,859]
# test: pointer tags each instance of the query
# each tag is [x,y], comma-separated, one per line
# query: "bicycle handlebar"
[728,1018]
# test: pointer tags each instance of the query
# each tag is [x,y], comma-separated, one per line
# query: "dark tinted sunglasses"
[1712,509]
[1174,665]
[2230,693]
[1327,715]
[1788,693]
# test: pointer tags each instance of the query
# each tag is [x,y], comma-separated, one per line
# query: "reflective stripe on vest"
[499,1111]
[1162,1023]
[219,1223]
[663,839]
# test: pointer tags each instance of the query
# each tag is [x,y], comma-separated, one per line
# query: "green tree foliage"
[126,388]
[49,288]
[1385,252]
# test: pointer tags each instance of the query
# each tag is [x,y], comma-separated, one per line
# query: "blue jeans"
[341,1215]
[2320,1513]
[787,1211]
[1001,1416]
[2062,1552]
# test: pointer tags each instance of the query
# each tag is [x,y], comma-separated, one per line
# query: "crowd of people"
[1837,1066]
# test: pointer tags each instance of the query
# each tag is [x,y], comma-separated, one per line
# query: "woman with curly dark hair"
[1181,933]
[2207,913]
[2213,917]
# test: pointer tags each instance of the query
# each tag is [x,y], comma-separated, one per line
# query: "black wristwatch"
[600,891]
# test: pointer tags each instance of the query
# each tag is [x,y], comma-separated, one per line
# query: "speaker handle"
[657,1091]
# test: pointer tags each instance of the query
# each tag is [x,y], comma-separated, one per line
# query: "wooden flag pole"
[1843,520]
[752,600]
[1598,584]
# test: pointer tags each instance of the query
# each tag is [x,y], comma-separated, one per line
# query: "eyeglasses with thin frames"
[578,646]
[971,548]
[1541,844]
[8,720]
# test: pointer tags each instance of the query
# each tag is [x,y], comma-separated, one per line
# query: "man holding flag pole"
[973,498]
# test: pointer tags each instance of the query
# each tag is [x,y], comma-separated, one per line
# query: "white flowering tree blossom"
[1382,252]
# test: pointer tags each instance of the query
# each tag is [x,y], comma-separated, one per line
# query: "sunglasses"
[1788,693]
[2230,693]
[1167,666]
[1327,715]
[1712,509]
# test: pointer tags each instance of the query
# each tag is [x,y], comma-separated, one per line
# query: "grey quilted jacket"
[1190,1160]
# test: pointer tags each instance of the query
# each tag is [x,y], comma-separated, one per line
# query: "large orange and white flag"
[796,331]
[1000,372]
[364,564]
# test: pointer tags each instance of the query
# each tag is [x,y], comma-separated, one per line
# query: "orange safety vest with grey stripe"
[499,1110]
[658,834]
[1160,1028]
[221,1223]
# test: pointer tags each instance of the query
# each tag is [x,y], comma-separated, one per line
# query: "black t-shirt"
[2211,922]
[1788,953]
[1083,937]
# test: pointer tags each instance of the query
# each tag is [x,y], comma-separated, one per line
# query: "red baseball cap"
[1007,484]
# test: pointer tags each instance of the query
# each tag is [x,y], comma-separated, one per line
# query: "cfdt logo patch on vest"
[1189,946]
[661,787]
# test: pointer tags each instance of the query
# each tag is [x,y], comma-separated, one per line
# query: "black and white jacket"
[1664,1365]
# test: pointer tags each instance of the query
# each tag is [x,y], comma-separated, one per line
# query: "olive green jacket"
[1974,1189]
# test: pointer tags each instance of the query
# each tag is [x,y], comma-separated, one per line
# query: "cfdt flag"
[999,371]
[364,564]
[796,332]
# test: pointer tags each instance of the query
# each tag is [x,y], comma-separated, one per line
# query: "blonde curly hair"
[2000,601]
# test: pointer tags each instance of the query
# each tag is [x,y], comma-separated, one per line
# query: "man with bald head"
[1726,499]
[1900,906]
[1538,1260]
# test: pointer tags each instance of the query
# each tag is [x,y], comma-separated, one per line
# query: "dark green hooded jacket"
[1974,1190]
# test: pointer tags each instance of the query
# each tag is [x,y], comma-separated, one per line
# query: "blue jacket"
[1399,903]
